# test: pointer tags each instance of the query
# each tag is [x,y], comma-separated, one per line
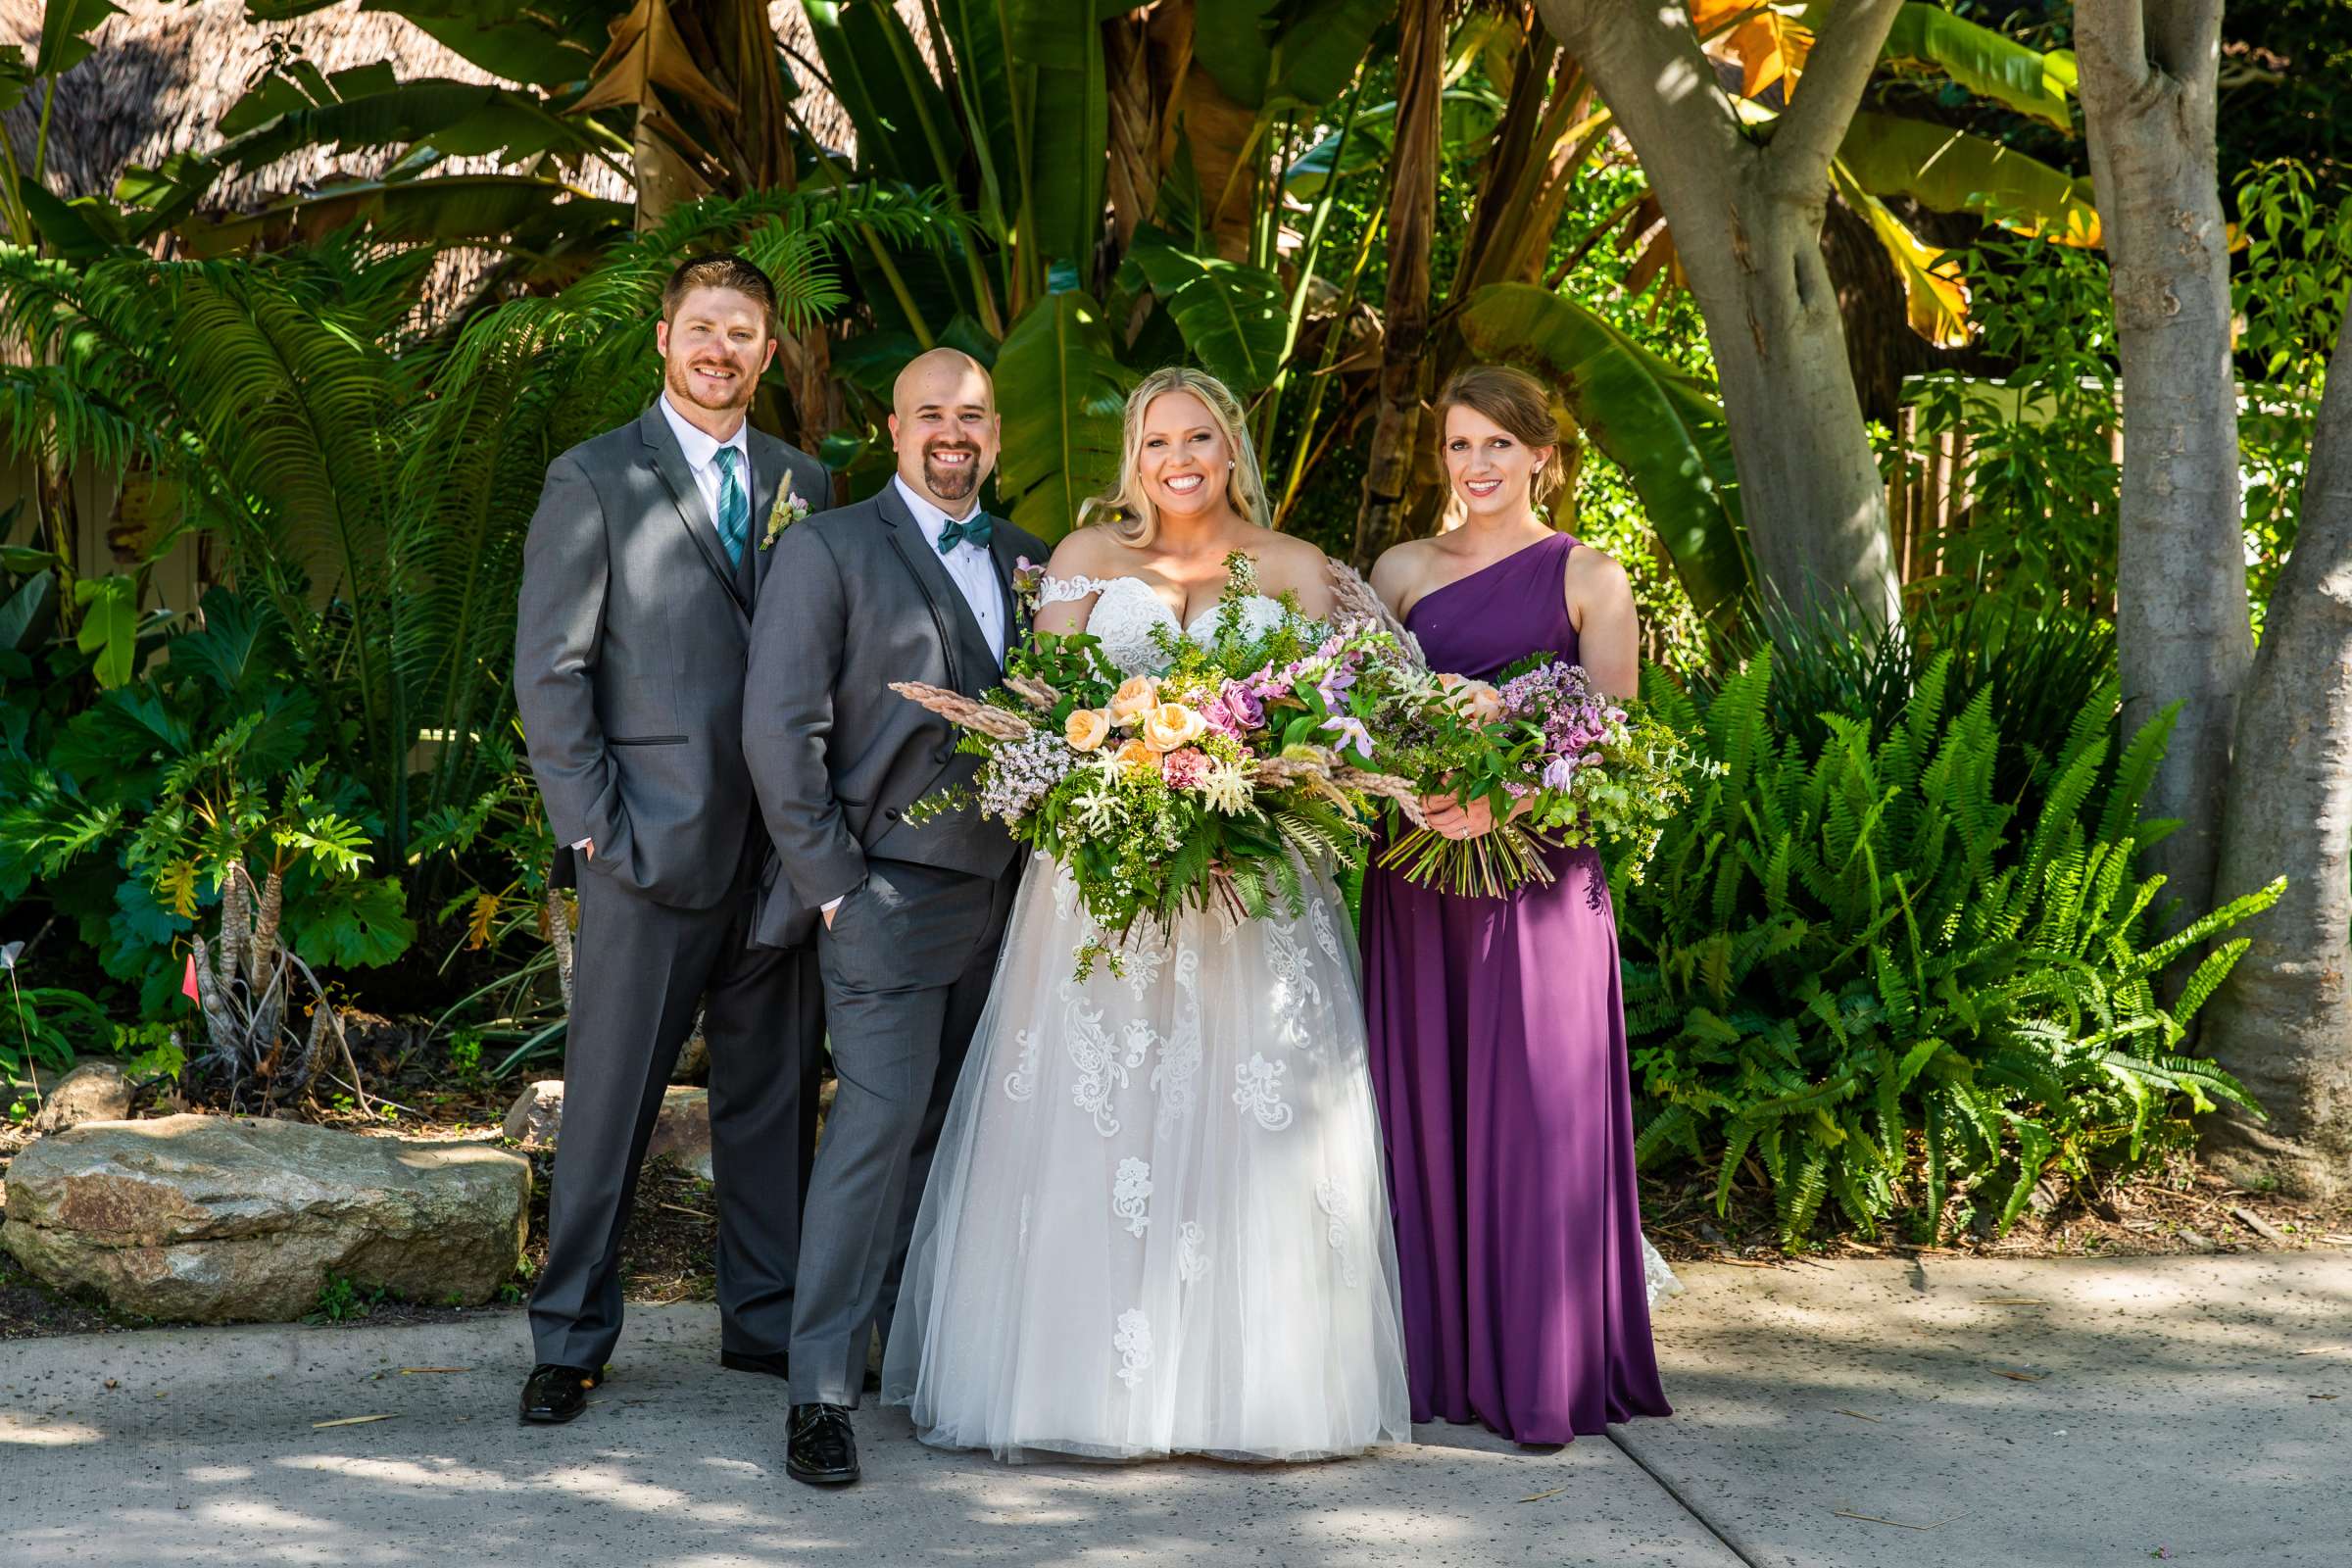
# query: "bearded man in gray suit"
[644,564]
[914,585]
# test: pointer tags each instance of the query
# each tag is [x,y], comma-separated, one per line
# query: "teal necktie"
[979,528]
[734,506]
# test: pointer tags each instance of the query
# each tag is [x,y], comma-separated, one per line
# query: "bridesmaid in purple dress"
[1498,1032]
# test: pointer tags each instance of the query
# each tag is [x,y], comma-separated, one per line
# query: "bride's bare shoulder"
[1289,564]
[1090,552]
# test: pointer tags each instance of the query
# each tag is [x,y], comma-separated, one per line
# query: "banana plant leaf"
[66,29]
[1935,294]
[29,613]
[529,41]
[1234,318]
[906,126]
[1061,389]
[1660,425]
[447,207]
[1284,54]
[1989,63]
[1954,172]
[458,119]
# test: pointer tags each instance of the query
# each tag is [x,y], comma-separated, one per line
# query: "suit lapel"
[958,632]
[668,460]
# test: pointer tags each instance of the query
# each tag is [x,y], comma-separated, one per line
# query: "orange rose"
[1137,757]
[1475,700]
[1086,730]
[1171,726]
[1137,695]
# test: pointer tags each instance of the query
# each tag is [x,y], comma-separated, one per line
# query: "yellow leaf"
[178,887]
[1710,17]
[1770,49]
[1933,291]
[479,923]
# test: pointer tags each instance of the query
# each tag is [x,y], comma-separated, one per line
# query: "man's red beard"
[680,381]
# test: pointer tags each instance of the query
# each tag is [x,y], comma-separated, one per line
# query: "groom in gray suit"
[914,585]
[643,567]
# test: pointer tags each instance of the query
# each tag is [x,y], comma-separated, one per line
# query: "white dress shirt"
[702,457]
[968,563]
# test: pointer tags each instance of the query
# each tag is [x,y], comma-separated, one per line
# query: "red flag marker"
[187,983]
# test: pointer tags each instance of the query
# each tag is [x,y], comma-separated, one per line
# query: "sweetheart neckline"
[1184,628]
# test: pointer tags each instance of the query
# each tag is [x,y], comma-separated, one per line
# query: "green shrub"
[1857,960]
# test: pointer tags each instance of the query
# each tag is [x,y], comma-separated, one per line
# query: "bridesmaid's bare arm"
[1608,630]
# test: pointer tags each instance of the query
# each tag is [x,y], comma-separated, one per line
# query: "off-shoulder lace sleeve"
[1058,590]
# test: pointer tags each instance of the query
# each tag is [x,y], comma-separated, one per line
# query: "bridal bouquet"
[1557,760]
[1209,785]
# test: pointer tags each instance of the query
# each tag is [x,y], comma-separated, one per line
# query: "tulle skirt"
[1157,1220]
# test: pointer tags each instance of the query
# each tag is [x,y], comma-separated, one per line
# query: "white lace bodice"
[1127,610]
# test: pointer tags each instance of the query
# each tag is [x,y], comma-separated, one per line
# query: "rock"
[217,1218]
[681,1130]
[95,1091]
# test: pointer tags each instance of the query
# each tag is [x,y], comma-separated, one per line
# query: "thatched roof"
[165,72]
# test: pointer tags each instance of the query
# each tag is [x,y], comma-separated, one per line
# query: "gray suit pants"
[907,965]
[639,970]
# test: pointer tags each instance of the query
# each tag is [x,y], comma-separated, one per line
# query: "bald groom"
[914,584]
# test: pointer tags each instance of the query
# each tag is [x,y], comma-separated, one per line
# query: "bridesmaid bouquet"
[1210,785]
[1558,762]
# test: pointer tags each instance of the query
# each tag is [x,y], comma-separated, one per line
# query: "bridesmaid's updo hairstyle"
[1517,402]
[1126,510]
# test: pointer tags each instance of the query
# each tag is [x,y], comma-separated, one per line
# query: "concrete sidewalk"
[2170,1408]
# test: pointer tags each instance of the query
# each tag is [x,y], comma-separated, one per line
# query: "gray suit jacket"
[855,600]
[630,645]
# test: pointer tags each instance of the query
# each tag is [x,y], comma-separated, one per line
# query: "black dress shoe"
[822,1450]
[555,1394]
[771,1363]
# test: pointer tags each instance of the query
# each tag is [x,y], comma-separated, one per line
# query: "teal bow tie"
[979,528]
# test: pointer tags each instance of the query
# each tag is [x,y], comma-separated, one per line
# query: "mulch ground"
[672,1232]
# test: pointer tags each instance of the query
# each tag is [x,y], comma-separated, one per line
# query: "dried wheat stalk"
[1353,603]
[957,708]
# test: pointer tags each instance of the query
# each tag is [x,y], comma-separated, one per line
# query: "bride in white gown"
[1158,1222]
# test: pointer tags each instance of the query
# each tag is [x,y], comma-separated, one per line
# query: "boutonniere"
[1028,583]
[788,510]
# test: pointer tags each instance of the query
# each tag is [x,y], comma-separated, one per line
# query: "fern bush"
[1856,965]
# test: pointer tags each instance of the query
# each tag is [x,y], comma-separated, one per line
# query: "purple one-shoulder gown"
[1497,1040]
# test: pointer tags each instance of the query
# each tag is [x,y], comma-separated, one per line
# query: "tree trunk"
[1746,218]
[2283,1021]
[1411,223]
[2182,629]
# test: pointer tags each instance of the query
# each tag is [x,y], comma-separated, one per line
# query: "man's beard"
[955,483]
[682,382]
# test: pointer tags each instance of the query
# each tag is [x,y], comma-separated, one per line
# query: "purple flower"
[1351,733]
[1242,703]
[1558,773]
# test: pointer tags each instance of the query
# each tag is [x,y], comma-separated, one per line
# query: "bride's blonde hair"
[1125,510]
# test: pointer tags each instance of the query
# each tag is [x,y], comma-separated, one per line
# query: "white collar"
[926,511]
[698,444]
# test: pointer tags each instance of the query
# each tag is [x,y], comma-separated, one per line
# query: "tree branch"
[2184,39]
[1644,61]
[1813,126]
[2115,32]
